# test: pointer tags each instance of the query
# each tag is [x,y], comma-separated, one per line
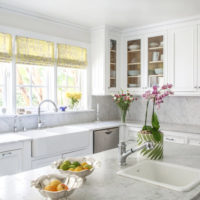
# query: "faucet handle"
[149,145]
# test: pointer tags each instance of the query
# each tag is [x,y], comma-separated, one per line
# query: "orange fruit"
[78,169]
[55,182]
[61,187]
[51,188]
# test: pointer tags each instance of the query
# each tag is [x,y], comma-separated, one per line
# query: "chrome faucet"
[124,154]
[39,111]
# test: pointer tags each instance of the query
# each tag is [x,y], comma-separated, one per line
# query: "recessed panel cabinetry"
[183,60]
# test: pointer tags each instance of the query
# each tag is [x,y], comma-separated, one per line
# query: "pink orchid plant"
[156,95]
[123,101]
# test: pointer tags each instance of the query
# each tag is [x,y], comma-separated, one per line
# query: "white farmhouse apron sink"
[59,140]
[175,177]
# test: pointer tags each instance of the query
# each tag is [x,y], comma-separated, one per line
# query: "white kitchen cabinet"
[83,152]
[45,161]
[145,56]
[105,50]
[183,59]
[11,162]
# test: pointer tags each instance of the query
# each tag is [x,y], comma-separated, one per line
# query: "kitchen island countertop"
[104,183]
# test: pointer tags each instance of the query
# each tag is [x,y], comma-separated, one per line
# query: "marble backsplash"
[49,120]
[175,110]
[107,109]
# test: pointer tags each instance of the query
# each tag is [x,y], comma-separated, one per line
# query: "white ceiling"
[118,13]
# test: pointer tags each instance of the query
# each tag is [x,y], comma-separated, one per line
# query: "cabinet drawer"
[44,162]
[80,153]
[194,142]
[10,162]
[180,140]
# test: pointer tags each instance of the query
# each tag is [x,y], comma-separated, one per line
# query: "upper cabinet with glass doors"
[134,63]
[155,61]
[113,64]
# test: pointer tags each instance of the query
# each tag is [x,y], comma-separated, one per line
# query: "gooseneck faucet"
[39,110]
[124,154]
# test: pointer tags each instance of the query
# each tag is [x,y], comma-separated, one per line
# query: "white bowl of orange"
[81,167]
[57,186]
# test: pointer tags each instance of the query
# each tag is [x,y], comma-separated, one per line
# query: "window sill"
[48,113]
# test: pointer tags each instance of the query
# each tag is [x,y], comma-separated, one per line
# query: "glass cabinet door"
[155,61]
[113,63]
[134,63]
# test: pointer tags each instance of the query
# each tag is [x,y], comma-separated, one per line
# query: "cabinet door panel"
[184,59]
[10,162]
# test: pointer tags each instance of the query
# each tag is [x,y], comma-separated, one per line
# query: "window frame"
[12,87]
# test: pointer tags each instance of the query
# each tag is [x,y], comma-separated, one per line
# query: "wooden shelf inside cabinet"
[112,78]
[155,62]
[138,63]
[114,51]
[131,51]
[113,63]
[137,76]
[156,75]
[155,48]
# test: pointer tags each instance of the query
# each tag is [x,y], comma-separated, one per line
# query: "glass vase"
[123,116]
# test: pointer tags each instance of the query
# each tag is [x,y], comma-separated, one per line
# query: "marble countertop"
[183,128]
[47,132]
[12,137]
[105,184]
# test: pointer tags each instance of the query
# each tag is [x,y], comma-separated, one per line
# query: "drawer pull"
[108,132]
[170,139]
[7,154]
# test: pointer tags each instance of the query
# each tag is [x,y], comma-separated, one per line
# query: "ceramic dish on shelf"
[112,73]
[133,47]
[159,71]
[82,173]
[133,72]
[153,44]
[132,85]
[71,181]
[161,44]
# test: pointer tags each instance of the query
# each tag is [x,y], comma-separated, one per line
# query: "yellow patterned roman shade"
[34,52]
[5,47]
[71,56]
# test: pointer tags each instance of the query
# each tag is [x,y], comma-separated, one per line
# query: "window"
[5,58]
[69,80]
[71,73]
[4,68]
[34,84]
[35,65]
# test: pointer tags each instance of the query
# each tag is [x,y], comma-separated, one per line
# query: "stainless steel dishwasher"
[105,139]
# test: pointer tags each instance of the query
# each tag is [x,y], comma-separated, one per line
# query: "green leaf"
[156,134]
[155,122]
[146,128]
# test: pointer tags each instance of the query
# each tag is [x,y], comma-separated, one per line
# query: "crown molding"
[162,24]
[38,16]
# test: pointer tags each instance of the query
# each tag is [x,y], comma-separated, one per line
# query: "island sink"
[171,176]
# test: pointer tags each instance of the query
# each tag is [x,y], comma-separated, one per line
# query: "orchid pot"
[152,133]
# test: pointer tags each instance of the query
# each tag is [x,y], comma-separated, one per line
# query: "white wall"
[39,25]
